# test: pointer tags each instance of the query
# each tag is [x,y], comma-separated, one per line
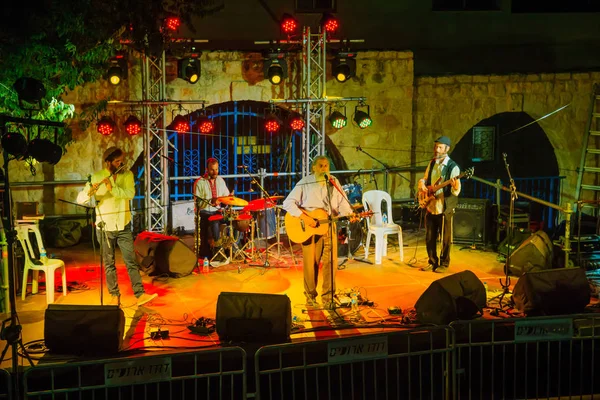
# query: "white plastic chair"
[372,202]
[49,267]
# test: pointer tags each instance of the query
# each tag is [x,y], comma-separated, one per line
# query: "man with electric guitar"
[315,201]
[440,200]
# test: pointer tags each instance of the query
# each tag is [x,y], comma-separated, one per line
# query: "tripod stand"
[350,256]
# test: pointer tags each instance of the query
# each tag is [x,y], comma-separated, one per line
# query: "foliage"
[68,43]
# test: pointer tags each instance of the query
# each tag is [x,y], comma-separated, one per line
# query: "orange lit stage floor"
[183,300]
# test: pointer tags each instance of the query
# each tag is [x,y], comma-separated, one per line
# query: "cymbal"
[216,217]
[232,201]
[260,204]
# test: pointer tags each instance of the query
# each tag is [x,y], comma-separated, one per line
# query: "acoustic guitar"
[424,198]
[298,230]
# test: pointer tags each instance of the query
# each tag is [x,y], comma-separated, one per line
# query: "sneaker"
[429,267]
[311,302]
[145,298]
[114,300]
[329,305]
[440,269]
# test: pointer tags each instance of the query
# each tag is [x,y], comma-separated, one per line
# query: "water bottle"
[485,285]
[354,302]
[43,256]
[385,218]
[205,266]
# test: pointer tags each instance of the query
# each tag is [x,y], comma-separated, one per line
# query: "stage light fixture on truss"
[272,120]
[363,118]
[329,23]
[133,125]
[117,69]
[29,89]
[337,119]
[15,144]
[44,150]
[295,121]
[289,24]
[343,66]
[171,24]
[180,124]
[188,69]
[106,126]
[275,67]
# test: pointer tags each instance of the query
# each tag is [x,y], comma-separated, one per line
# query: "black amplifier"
[585,252]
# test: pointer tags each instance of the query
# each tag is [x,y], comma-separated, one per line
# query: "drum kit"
[246,221]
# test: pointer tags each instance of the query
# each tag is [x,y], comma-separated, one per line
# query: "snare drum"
[354,193]
[242,222]
[267,223]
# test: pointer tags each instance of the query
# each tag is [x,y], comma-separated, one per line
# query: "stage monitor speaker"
[470,223]
[552,292]
[458,296]
[253,317]
[84,330]
[159,254]
[534,254]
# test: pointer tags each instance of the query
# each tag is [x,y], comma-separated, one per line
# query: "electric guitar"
[298,230]
[424,198]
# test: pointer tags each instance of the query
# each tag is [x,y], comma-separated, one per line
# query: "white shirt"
[112,207]
[202,190]
[310,195]
[439,170]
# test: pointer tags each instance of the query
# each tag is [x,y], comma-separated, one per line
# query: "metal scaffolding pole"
[156,171]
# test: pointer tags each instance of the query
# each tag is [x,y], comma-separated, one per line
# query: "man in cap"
[440,210]
[110,190]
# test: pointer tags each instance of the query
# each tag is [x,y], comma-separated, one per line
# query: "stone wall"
[408,114]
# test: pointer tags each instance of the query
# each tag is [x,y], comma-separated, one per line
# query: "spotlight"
[343,66]
[329,23]
[15,144]
[117,71]
[180,124]
[363,119]
[133,125]
[43,150]
[289,24]
[29,89]
[275,67]
[106,126]
[338,120]
[272,123]
[172,23]
[296,122]
[188,69]
[205,124]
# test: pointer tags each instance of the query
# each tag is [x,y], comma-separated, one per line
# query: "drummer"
[207,189]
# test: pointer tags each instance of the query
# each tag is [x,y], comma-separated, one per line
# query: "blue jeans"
[124,239]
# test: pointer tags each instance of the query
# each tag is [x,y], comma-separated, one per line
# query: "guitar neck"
[445,183]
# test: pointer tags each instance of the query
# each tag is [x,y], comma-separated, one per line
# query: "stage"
[182,301]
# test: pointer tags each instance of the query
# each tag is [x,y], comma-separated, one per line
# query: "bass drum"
[267,223]
[349,234]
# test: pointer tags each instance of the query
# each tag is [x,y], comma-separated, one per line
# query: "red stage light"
[205,125]
[272,124]
[296,123]
[133,125]
[172,23]
[289,24]
[329,23]
[180,124]
[106,126]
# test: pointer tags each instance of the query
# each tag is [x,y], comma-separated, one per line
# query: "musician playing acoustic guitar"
[318,192]
[440,207]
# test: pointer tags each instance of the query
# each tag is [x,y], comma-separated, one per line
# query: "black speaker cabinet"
[534,254]
[158,254]
[457,296]
[471,221]
[84,330]
[552,292]
[253,317]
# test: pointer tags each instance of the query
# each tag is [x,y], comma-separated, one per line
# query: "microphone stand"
[330,218]
[509,233]
[267,197]
[385,166]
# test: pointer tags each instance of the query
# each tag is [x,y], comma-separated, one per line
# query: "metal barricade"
[206,374]
[6,385]
[396,365]
[541,358]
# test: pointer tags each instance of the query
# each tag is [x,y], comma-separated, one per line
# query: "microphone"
[328,179]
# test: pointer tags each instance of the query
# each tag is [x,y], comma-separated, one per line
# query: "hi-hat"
[232,201]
